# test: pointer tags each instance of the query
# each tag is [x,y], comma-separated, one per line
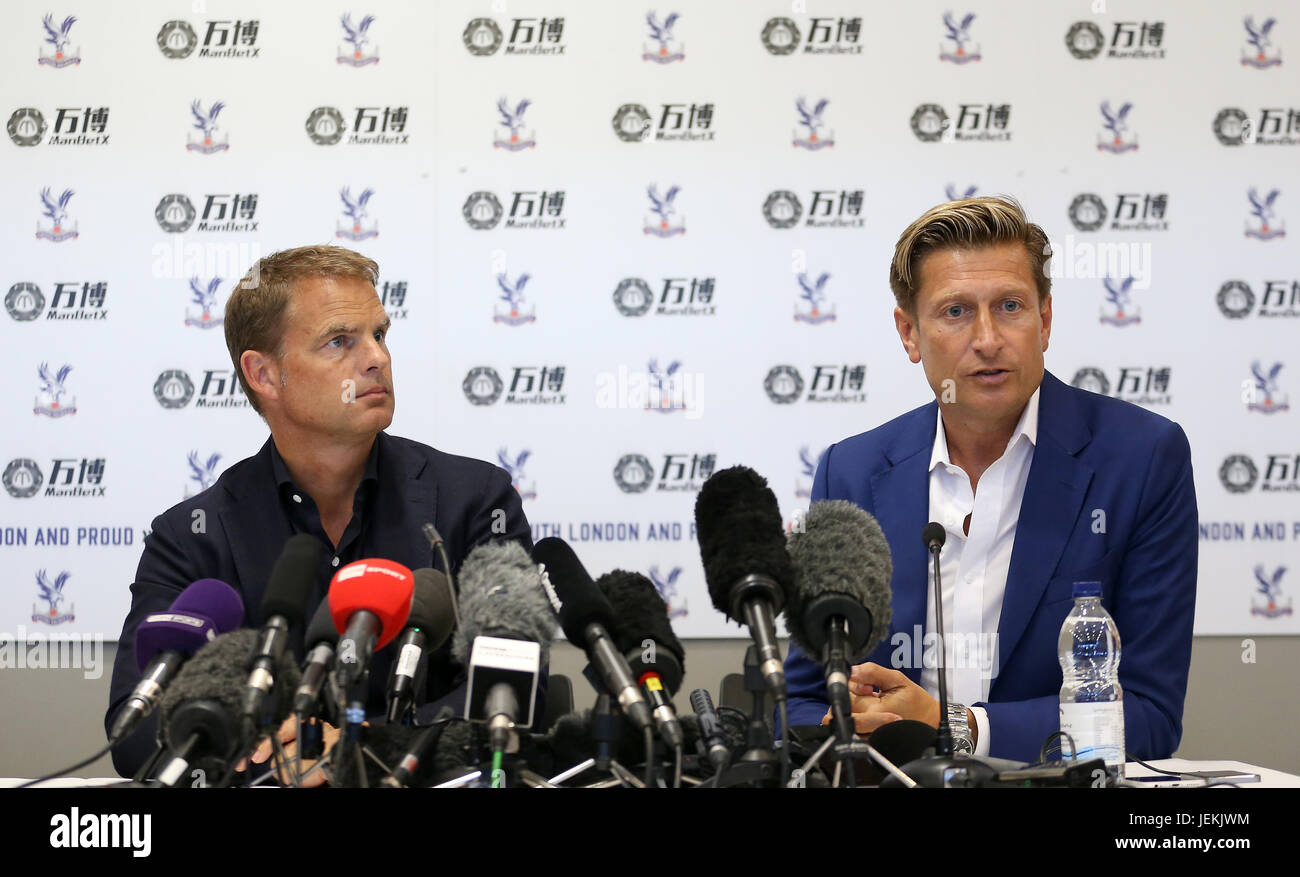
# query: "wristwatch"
[961,738]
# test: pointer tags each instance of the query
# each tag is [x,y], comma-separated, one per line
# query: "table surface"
[1268,778]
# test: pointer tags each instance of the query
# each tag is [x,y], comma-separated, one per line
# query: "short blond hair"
[256,310]
[971,223]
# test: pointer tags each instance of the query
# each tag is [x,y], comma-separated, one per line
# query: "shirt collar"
[283,478]
[1027,427]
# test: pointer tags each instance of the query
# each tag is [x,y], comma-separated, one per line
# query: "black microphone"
[427,628]
[645,637]
[934,535]
[165,640]
[201,709]
[283,607]
[321,639]
[586,619]
[839,607]
[746,564]
[711,737]
[943,769]
[408,772]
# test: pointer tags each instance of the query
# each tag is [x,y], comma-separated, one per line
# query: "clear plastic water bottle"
[1092,701]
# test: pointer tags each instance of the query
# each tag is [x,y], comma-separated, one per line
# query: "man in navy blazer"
[1104,494]
[306,333]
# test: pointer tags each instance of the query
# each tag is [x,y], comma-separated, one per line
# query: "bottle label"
[1097,730]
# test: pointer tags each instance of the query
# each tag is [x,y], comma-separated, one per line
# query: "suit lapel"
[256,530]
[403,503]
[1054,494]
[901,501]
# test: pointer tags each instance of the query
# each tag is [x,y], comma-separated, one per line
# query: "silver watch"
[961,737]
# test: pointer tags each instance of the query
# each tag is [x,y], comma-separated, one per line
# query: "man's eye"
[954,310]
[335,342]
[1012,305]
[380,335]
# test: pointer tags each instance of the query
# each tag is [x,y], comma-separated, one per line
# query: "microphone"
[642,628]
[586,619]
[711,737]
[839,607]
[165,640]
[746,564]
[321,639]
[369,601]
[283,607]
[934,535]
[201,709]
[408,772]
[943,769]
[505,633]
[427,628]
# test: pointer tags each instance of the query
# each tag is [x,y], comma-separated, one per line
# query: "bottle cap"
[1087,589]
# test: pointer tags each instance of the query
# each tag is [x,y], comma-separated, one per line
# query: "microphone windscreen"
[219,672]
[740,533]
[431,608]
[382,587]
[321,629]
[292,579]
[501,595]
[643,615]
[581,602]
[934,532]
[842,567]
[388,742]
[452,753]
[200,613]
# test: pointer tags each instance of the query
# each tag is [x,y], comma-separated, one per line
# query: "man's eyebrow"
[385,325]
[337,329]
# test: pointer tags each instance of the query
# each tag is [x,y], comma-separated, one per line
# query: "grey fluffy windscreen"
[842,550]
[219,671]
[501,595]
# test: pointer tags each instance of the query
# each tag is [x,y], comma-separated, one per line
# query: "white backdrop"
[105,110]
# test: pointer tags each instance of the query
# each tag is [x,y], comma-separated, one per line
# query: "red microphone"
[369,601]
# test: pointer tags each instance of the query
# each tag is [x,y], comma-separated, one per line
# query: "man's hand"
[286,735]
[881,695]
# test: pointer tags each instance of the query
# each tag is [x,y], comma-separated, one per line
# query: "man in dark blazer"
[306,332]
[1085,489]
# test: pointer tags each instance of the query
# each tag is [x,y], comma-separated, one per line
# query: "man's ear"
[1046,312]
[907,332]
[262,372]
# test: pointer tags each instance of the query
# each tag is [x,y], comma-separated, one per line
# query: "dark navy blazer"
[246,528]
[1109,498]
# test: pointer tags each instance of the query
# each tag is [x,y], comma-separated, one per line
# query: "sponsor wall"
[626,246]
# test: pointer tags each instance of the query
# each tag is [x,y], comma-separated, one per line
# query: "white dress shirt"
[974,566]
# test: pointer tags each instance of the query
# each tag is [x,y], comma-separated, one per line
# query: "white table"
[1268,778]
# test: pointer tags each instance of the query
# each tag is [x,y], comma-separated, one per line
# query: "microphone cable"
[80,764]
[437,543]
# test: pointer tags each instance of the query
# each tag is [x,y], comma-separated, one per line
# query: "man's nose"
[374,355]
[987,338]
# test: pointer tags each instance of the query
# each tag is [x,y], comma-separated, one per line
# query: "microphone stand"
[604,729]
[759,765]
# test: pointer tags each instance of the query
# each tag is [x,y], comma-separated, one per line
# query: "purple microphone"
[164,640]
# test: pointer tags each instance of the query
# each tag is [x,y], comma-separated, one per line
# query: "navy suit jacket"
[246,528]
[1109,498]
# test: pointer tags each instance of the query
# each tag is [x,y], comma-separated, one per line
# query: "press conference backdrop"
[624,246]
